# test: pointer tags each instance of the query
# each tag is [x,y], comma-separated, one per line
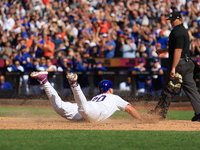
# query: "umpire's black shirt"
[178,39]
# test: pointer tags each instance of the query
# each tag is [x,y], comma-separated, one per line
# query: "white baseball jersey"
[102,106]
[99,108]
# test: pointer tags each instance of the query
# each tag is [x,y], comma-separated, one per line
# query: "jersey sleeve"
[179,37]
[121,103]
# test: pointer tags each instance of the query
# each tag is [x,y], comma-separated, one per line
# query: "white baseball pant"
[65,109]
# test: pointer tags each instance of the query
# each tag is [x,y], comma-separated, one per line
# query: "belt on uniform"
[184,58]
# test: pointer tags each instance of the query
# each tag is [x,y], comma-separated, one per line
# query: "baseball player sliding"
[100,108]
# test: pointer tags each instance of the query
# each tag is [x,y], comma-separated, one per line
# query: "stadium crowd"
[33,33]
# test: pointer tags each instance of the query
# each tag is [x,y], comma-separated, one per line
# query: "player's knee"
[60,111]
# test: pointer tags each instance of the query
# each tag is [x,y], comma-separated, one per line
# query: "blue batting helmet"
[105,85]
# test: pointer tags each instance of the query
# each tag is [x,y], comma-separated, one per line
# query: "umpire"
[179,61]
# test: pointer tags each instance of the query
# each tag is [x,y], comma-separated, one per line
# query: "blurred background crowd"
[62,35]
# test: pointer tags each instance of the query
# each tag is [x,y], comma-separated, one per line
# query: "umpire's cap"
[174,16]
[105,85]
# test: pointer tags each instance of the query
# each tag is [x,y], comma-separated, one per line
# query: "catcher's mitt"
[175,82]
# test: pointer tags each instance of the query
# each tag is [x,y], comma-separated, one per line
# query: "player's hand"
[172,73]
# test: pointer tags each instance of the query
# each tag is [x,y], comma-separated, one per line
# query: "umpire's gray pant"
[185,68]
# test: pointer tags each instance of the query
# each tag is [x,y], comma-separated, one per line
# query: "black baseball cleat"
[196,118]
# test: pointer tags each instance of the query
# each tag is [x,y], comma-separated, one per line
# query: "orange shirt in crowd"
[104,26]
[49,47]
[45,2]
[62,34]
[29,41]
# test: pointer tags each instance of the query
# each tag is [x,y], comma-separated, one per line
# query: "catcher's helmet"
[104,86]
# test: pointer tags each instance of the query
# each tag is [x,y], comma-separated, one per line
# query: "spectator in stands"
[84,79]
[2,44]
[41,64]
[152,51]
[34,87]
[162,39]
[23,55]
[16,67]
[66,90]
[9,22]
[195,47]
[25,61]
[6,51]
[162,55]
[51,68]
[40,22]
[151,48]
[4,84]
[77,61]
[86,49]
[140,78]
[95,50]
[72,31]
[38,44]
[20,10]
[109,46]
[104,26]
[30,41]
[49,48]
[128,48]
[64,65]
[148,85]
[158,77]
[21,42]
[58,42]
[80,64]
[141,50]
[27,23]
[118,51]
[126,85]
[98,68]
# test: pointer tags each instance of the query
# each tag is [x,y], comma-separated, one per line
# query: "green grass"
[180,115]
[94,139]
[49,112]
[98,140]
[27,111]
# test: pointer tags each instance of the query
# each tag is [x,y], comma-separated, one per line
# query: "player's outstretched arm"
[133,112]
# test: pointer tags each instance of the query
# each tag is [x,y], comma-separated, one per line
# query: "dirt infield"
[112,124]
[149,123]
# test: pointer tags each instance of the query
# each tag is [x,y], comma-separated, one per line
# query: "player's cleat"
[72,79]
[196,118]
[41,76]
